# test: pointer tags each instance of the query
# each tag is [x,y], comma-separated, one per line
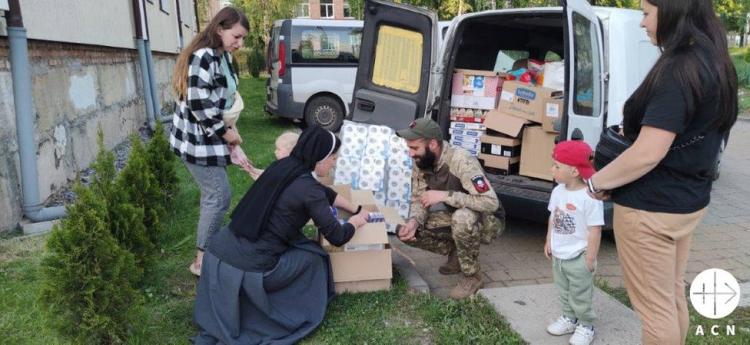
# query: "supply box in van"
[588,61]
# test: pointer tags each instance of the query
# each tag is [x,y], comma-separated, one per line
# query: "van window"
[506,58]
[318,44]
[398,59]
[586,89]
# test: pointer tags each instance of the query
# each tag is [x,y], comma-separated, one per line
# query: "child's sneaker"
[562,325]
[582,336]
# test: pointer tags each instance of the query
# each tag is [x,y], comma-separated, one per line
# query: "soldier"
[450,194]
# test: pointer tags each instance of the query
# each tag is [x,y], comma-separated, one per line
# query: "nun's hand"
[358,219]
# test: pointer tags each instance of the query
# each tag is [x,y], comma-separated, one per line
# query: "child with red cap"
[573,236]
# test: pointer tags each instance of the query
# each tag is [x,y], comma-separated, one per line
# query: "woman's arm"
[201,87]
[646,152]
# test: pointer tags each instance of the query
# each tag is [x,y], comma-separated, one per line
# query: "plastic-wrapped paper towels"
[347,171]
[371,173]
[399,184]
[353,139]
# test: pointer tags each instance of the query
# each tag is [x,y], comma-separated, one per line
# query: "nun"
[262,280]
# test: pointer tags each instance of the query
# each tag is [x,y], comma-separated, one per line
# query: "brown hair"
[209,37]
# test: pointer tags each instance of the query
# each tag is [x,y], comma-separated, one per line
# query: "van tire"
[326,112]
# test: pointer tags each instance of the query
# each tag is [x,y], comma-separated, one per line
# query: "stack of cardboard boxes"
[518,134]
[473,94]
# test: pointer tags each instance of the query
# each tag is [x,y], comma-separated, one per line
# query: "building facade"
[85,75]
[324,9]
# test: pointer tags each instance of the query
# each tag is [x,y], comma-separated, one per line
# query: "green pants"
[575,283]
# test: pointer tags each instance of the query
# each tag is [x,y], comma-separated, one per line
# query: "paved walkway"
[721,241]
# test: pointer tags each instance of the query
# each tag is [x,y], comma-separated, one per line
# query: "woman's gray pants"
[215,199]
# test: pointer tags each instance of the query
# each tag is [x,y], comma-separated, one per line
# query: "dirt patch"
[17,248]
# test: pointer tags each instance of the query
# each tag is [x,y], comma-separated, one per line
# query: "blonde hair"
[287,140]
[208,38]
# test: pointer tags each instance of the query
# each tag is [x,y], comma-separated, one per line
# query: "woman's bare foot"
[195,266]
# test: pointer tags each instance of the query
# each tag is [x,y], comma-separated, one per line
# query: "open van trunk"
[493,42]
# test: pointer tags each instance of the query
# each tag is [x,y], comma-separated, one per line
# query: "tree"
[123,219]
[142,189]
[87,286]
[261,14]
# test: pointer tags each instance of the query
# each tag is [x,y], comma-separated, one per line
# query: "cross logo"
[714,293]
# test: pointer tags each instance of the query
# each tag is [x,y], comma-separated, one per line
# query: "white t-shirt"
[572,213]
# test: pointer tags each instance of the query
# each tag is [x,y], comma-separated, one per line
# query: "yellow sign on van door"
[398,59]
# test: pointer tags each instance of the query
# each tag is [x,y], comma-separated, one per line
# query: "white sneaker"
[582,336]
[562,325]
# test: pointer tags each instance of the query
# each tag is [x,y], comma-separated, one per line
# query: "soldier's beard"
[426,161]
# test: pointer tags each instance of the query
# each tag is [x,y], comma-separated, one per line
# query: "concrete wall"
[76,90]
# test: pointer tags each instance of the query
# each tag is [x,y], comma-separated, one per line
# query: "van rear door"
[585,73]
[399,46]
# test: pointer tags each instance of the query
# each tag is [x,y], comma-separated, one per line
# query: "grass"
[740,317]
[741,59]
[389,317]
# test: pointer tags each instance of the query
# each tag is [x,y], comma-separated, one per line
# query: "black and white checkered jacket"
[197,125]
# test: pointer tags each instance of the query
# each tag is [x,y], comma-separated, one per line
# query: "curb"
[407,270]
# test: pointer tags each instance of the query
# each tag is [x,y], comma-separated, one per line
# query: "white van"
[312,66]
[402,77]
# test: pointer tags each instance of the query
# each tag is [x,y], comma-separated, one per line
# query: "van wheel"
[325,112]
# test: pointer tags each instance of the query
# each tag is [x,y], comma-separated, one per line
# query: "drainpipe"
[152,80]
[21,74]
[139,13]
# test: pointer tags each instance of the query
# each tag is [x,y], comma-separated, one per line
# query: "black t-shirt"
[681,182]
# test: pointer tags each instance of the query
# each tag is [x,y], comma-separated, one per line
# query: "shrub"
[142,189]
[87,286]
[256,62]
[123,219]
[161,162]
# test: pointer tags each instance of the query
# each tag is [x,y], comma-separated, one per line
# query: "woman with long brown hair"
[205,83]
[661,185]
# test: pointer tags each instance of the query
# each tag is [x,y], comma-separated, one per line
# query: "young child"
[284,145]
[573,237]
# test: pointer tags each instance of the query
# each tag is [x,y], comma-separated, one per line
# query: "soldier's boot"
[467,286]
[452,266]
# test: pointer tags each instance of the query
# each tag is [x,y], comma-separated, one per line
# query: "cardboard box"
[466,132]
[504,165]
[475,89]
[553,108]
[364,263]
[536,153]
[500,146]
[467,125]
[504,124]
[467,119]
[468,145]
[525,101]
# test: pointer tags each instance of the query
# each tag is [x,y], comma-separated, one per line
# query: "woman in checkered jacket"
[205,84]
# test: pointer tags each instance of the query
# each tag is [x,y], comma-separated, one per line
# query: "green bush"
[123,219]
[142,189]
[87,286]
[239,59]
[161,163]
[256,62]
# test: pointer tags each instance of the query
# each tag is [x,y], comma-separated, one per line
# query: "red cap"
[575,153]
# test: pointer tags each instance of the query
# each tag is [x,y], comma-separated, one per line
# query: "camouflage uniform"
[457,223]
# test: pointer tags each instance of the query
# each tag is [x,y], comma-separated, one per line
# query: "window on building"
[164,6]
[347,10]
[303,10]
[326,9]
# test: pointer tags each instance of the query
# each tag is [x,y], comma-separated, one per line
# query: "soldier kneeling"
[452,204]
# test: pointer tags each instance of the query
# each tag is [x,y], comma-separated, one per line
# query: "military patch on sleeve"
[480,184]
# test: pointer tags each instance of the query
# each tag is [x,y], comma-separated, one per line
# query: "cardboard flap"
[505,124]
[362,197]
[476,72]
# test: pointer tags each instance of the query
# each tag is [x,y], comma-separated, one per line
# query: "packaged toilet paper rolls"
[380,197]
[353,139]
[347,171]
[371,173]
